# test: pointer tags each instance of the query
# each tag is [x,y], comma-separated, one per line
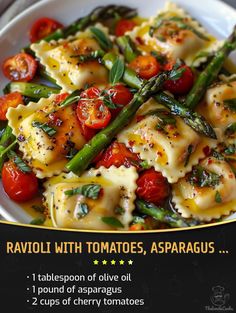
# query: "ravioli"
[219,108]
[208,202]
[176,34]
[172,150]
[116,198]
[47,155]
[60,59]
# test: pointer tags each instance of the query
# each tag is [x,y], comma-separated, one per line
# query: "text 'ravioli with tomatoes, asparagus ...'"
[133,127]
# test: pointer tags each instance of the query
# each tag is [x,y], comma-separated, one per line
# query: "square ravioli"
[207,193]
[175,34]
[172,149]
[46,134]
[115,198]
[61,61]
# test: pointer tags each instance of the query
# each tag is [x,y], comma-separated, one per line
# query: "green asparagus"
[34,91]
[207,77]
[102,13]
[193,119]
[100,141]
[127,48]
[163,215]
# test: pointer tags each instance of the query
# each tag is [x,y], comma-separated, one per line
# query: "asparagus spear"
[211,72]
[100,141]
[163,215]
[193,119]
[7,142]
[127,48]
[102,13]
[34,91]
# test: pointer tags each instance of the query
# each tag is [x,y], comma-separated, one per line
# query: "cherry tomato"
[146,66]
[19,186]
[137,227]
[61,97]
[87,132]
[11,100]
[124,26]
[20,67]
[91,111]
[117,154]
[43,27]
[152,187]
[120,96]
[182,85]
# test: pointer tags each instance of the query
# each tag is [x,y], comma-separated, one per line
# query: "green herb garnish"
[189,152]
[117,71]
[38,208]
[89,191]
[102,38]
[19,162]
[72,98]
[203,178]
[231,149]
[230,130]
[45,128]
[38,221]
[94,55]
[119,210]
[112,221]
[81,210]
[218,198]
[231,104]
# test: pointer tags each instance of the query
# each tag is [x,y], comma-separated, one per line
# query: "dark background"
[168,282]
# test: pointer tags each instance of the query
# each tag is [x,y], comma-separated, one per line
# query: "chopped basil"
[81,210]
[19,162]
[144,164]
[231,129]
[218,155]
[119,210]
[218,198]
[103,40]
[38,220]
[231,149]
[94,55]
[45,128]
[117,71]
[112,221]
[231,104]
[177,73]
[89,191]
[189,152]
[106,97]
[203,178]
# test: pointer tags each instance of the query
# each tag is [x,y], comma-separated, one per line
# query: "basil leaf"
[119,210]
[231,149]
[218,198]
[203,178]
[38,221]
[231,104]
[72,98]
[45,128]
[117,71]
[190,150]
[19,162]
[112,221]
[81,210]
[89,191]
[102,38]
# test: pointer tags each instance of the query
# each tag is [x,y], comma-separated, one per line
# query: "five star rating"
[113,262]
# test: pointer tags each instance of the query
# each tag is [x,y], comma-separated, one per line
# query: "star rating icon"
[113,262]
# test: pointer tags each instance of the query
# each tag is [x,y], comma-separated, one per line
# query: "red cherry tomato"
[91,111]
[117,154]
[124,26]
[19,186]
[87,132]
[20,67]
[146,66]
[182,85]
[11,100]
[152,187]
[43,27]
[120,96]
[61,97]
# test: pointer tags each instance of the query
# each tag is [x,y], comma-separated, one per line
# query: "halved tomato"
[11,100]
[43,27]
[146,66]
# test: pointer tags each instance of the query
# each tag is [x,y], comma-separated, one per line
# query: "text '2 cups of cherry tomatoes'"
[43,27]
[152,187]
[19,186]
[91,110]
[11,100]
[20,67]
[182,85]
[146,66]
[124,26]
